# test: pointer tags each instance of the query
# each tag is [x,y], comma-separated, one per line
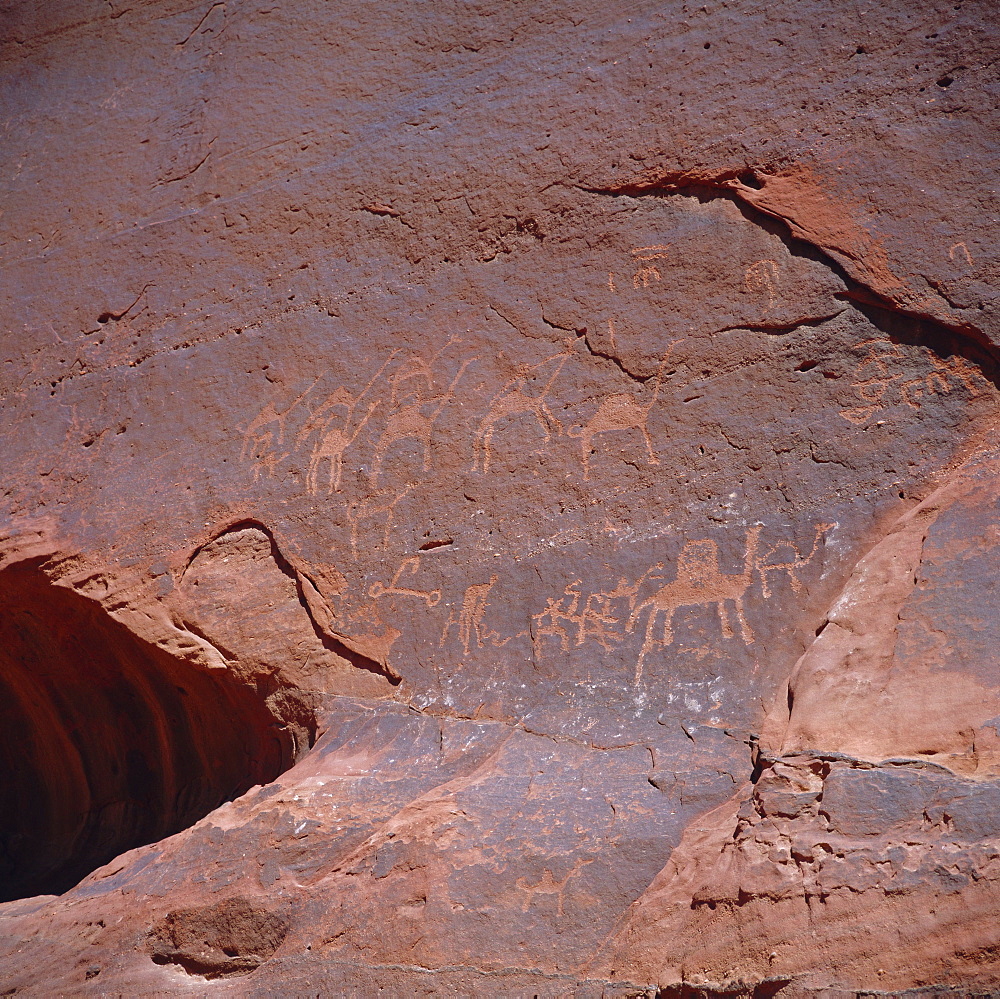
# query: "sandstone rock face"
[499,499]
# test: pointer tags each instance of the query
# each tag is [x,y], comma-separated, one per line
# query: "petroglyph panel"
[665,497]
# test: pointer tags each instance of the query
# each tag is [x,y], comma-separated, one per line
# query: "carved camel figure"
[412,422]
[794,560]
[699,581]
[512,400]
[617,412]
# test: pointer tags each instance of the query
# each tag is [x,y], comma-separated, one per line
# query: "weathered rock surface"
[499,499]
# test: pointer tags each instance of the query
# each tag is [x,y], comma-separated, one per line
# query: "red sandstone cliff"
[499,499]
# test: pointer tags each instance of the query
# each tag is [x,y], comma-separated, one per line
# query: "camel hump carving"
[699,582]
[618,412]
[414,421]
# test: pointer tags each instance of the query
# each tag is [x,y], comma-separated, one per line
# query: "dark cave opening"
[106,741]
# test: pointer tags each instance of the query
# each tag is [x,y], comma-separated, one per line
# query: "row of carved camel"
[413,411]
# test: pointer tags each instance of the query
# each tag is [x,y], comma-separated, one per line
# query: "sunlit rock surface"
[499,499]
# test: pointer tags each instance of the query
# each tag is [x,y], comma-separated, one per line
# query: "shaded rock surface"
[499,499]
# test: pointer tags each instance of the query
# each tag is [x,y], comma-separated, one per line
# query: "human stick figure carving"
[794,560]
[410,566]
[262,444]
[647,271]
[412,421]
[617,412]
[571,616]
[470,616]
[594,619]
[699,582]
[513,400]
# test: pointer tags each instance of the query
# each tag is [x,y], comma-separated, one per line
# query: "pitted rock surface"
[499,499]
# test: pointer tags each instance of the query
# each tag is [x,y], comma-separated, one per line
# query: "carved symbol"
[611,336]
[470,618]
[936,382]
[512,400]
[960,368]
[411,421]
[699,582]
[965,253]
[872,390]
[547,885]
[617,412]
[649,272]
[794,560]
[761,278]
[412,566]
[930,384]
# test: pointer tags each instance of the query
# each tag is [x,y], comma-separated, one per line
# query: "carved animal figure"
[415,376]
[513,400]
[794,560]
[331,448]
[699,581]
[266,432]
[412,421]
[335,440]
[617,412]
[384,501]
[547,885]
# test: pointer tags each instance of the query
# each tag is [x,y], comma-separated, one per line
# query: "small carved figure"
[335,433]
[793,560]
[648,272]
[761,278]
[513,400]
[874,380]
[409,566]
[964,252]
[470,618]
[412,421]
[370,506]
[595,619]
[547,885]
[267,432]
